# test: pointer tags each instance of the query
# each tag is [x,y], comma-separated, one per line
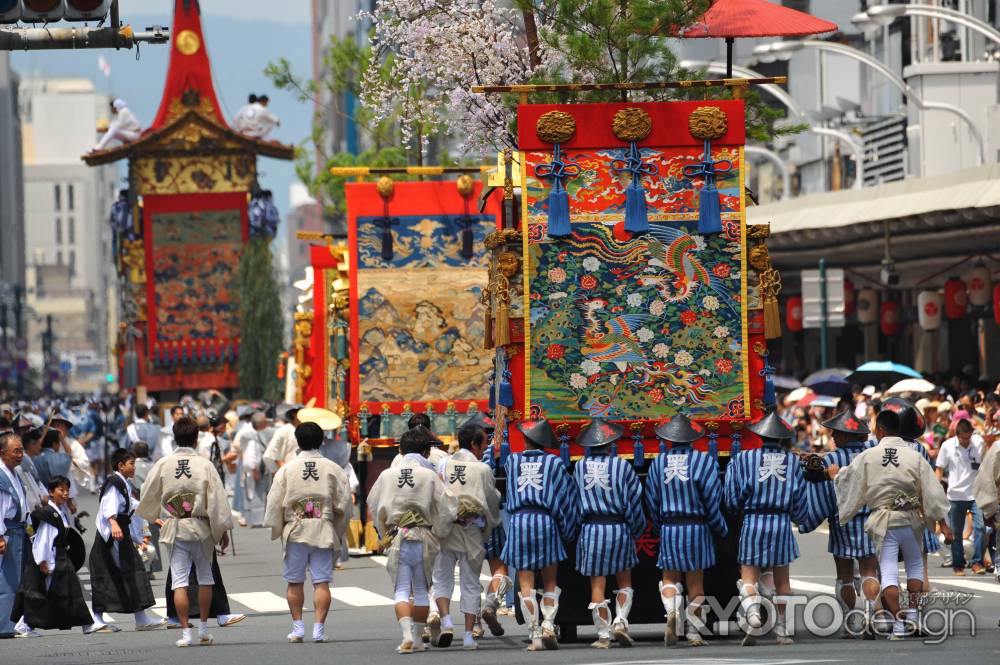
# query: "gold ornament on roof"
[631,124]
[188,42]
[708,123]
[555,127]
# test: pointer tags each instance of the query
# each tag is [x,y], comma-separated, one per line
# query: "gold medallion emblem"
[188,42]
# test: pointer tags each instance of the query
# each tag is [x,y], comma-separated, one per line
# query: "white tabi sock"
[406,625]
[319,631]
[202,628]
[418,632]
[446,622]
[468,640]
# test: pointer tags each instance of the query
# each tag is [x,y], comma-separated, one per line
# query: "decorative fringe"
[713,445]
[636,218]
[564,450]
[489,340]
[734,446]
[501,334]
[559,212]
[663,447]
[770,399]
[772,318]
[638,454]
[340,346]
[504,449]
[709,209]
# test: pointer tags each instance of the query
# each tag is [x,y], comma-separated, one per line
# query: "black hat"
[771,427]
[62,417]
[480,419]
[848,423]
[20,424]
[911,422]
[288,411]
[679,430]
[539,432]
[599,433]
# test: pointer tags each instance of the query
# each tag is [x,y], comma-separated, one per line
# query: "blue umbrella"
[876,372]
[786,383]
[831,382]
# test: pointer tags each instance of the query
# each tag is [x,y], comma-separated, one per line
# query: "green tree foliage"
[261,321]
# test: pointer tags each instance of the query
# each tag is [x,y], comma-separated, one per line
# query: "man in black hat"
[683,496]
[848,542]
[766,484]
[612,515]
[544,512]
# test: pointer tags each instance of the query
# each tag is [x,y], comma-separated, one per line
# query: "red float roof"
[754,18]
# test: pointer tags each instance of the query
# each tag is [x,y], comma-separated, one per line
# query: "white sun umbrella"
[798,393]
[919,386]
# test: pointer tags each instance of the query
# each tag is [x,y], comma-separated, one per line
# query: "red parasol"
[728,19]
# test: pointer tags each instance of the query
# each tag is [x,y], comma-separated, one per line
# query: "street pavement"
[363,629]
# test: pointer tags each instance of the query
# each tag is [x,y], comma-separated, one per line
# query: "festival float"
[628,286]
[181,227]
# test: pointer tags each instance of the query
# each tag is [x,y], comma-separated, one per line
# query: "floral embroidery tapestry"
[635,326]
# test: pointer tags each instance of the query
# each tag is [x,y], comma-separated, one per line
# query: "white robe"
[986,488]
[411,490]
[309,476]
[872,479]
[283,446]
[187,472]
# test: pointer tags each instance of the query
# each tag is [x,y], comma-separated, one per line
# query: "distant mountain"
[239,50]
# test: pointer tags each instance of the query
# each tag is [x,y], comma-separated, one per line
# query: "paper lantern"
[979,281]
[793,313]
[889,322]
[996,304]
[850,297]
[930,309]
[867,306]
[954,298]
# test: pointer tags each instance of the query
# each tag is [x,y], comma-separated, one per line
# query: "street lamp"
[779,93]
[865,59]
[883,15]
[774,158]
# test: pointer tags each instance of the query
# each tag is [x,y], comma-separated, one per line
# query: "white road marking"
[802,585]
[261,601]
[358,597]
[976,585]
[380,560]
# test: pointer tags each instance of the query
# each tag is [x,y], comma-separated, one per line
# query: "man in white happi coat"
[904,497]
[412,510]
[283,446]
[308,508]
[256,475]
[254,119]
[472,482]
[187,488]
[437,453]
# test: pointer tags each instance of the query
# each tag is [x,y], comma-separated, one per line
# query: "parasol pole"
[729,57]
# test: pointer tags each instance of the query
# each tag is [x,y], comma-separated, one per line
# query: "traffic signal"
[87,10]
[10,11]
[41,11]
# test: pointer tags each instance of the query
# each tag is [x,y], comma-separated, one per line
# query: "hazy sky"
[291,11]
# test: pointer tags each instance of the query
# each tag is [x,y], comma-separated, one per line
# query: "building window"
[58,197]
[69,198]
[59,257]
[72,226]
[58,231]
[72,263]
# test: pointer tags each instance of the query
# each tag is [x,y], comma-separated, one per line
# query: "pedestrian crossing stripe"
[358,597]
[971,585]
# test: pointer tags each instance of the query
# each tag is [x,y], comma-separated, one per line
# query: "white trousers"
[299,556]
[185,553]
[444,580]
[896,540]
[410,577]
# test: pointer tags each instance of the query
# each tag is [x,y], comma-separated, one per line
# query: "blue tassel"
[734,446]
[770,399]
[663,447]
[467,251]
[638,454]
[385,427]
[452,423]
[709,210]
[340,347]
[614,449]
[564,450]
[559,212]
[636,219]
[506,392]
[713,445]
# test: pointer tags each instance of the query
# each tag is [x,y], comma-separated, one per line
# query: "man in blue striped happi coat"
[544,511]
[611,516]
[683,496]
[767,485]
[849,542]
